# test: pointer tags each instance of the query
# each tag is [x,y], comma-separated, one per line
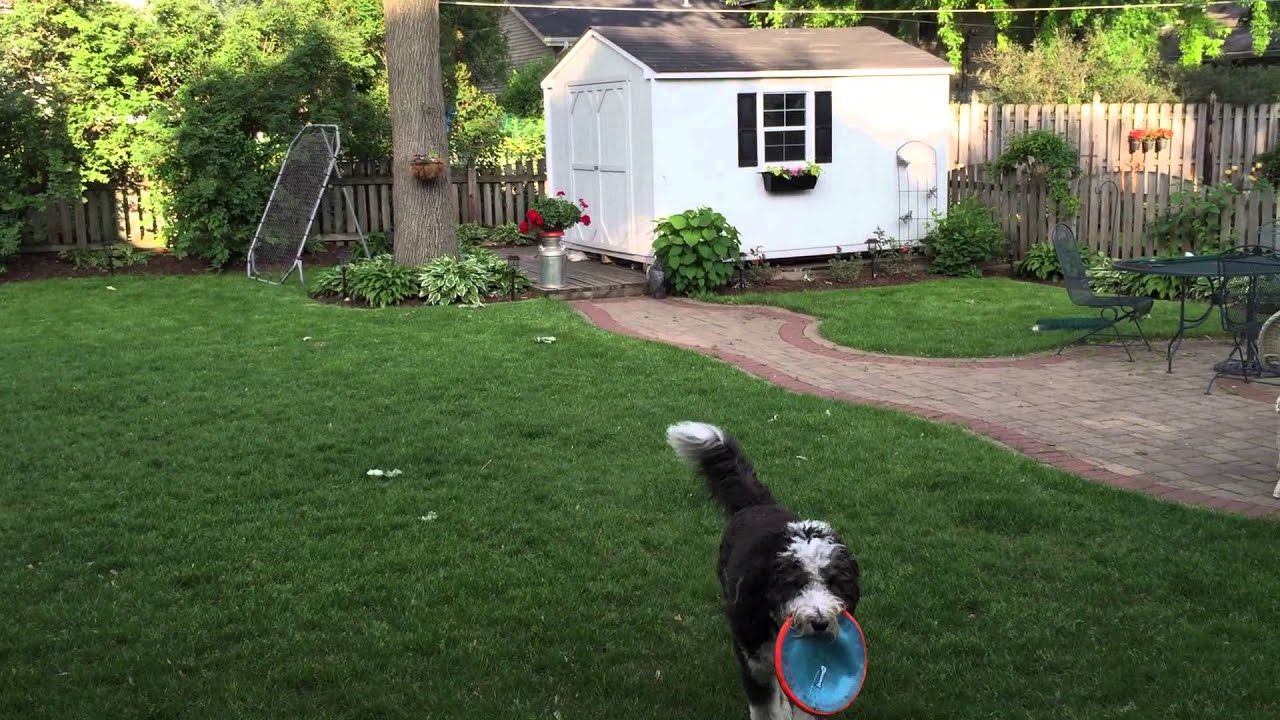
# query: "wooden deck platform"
[585,279]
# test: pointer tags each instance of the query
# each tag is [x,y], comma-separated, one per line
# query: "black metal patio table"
[1217,271]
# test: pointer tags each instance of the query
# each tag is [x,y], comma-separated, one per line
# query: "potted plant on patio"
[796,178]
[549,217]
[547,220]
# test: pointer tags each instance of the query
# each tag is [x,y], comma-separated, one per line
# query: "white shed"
[646,122]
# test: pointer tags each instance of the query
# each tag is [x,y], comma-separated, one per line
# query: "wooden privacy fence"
[109,215]
[1115,208]
[105,215]
[1207,137]
[485,199]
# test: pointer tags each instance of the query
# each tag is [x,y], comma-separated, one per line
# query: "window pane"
[784,146]
[795,118]
[773,101]
[795,101]
[775,118]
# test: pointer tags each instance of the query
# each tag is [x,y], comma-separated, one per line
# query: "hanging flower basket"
[426,168]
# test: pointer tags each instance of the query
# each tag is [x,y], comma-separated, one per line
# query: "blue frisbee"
[821,674]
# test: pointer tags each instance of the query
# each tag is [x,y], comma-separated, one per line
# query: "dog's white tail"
[730,477]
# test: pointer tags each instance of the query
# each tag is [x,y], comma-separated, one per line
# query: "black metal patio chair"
[1112,309]
[1247,304]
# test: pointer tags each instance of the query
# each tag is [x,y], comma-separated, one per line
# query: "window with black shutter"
[747,156]
[777,125]
[822,127]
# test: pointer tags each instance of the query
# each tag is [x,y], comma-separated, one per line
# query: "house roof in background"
[751,50]
[556,24]
[1238,45]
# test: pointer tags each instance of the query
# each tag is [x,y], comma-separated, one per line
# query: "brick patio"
[1088,411]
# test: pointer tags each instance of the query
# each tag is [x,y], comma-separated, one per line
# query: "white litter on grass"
[429,517]
[376,472]
[305,339]
[110,288]
[544,339]
[801,457]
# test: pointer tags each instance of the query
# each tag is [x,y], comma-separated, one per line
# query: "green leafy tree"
[476,136]
[1200,35]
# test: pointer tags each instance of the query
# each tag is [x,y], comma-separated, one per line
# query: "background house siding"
[522,45]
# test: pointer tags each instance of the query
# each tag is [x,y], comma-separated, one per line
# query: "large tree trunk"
[424,222]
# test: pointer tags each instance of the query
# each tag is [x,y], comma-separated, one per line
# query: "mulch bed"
[916,273]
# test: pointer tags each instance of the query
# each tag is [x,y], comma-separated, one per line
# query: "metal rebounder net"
[276,250]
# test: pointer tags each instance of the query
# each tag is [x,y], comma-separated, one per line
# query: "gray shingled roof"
[690,50]
[573,23]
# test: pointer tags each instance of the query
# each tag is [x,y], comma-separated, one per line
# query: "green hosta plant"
[380,281]
[698,248]
[448,279]
[501,276]
[1040,262]
[327,282]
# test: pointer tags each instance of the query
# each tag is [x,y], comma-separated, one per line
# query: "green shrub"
[965,238]
[523,94]
[698,248]
[380,281]
[105,259]
[1267,166]
[9,233]
[378,244]
[1192,221]
[1040,262]
[1044,152]
[892,256]
[524,140]
[844,268]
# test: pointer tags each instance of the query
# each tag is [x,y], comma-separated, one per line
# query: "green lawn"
[188,529]
[983,317]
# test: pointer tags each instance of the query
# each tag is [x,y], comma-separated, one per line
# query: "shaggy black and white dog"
[773,565]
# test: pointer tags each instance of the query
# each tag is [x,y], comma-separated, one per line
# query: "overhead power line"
[848,11]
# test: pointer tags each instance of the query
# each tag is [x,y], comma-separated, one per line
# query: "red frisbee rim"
[786,688]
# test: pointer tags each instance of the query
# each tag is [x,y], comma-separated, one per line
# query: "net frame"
[331,136]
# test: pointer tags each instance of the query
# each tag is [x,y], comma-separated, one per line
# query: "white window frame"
[807,128]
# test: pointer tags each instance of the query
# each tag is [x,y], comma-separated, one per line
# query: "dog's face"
[815,578]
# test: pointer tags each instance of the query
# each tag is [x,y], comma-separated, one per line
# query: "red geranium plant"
[553,215]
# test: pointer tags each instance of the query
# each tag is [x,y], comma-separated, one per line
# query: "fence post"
[1212,139]
[473,193]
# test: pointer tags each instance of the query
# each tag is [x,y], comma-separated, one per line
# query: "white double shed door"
[600,151]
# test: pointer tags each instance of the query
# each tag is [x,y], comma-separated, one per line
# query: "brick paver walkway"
[1088,411]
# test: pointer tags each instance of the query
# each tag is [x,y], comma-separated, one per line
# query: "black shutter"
[822,127]
[747,155]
